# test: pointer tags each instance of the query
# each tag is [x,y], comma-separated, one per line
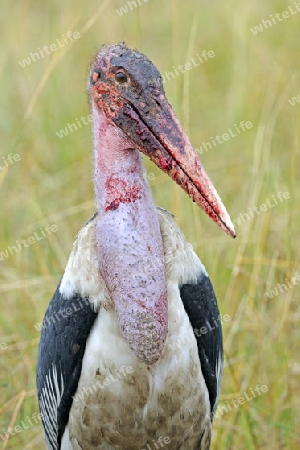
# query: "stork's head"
[128,88]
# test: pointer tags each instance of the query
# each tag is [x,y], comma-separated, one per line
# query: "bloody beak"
[159,135]
[140,109]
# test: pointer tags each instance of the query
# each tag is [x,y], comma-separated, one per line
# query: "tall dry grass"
[250,78]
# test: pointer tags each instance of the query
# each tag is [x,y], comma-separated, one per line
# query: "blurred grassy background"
[250,78]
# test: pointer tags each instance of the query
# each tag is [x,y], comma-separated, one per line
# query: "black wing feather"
[200,303]
[66,326]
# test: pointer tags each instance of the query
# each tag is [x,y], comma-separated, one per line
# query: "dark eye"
[121,77]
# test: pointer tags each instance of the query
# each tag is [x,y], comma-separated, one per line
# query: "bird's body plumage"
[118,397]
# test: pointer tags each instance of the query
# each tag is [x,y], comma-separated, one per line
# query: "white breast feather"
[166,396]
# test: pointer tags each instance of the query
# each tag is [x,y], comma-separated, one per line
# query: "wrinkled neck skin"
[130,249]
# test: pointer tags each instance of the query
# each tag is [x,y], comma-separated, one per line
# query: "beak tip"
[226,223]
[234,235]
[229,230]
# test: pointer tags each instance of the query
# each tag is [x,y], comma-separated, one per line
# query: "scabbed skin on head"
[143,89]
[143,75]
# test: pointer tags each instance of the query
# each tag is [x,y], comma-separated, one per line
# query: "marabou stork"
[124,359]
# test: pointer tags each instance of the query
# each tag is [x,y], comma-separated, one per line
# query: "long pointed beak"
[159,135]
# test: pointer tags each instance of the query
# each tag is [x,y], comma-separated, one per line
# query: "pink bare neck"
[130,249]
